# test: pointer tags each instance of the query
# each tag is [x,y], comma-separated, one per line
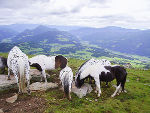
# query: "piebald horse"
[43,63]
[102,73]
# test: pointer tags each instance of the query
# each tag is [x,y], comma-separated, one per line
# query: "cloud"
[93,13]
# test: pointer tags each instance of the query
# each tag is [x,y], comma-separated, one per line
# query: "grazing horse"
[43,63]
[3,64]
[66,77]
[93,61]
[102,73]
[18,63]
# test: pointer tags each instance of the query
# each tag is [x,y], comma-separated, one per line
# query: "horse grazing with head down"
[43,63]
[91,62]
[3,64]
[18,64]
[102,73]
[66,77]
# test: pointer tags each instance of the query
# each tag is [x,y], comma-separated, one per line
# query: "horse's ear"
[60,61]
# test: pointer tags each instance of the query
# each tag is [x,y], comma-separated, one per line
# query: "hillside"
[135,100]
[51,41]
[131,41]
[6,33]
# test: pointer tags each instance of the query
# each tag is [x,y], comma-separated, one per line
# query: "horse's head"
[60,61]
[78,82]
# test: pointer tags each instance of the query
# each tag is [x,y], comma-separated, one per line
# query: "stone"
[7,84]
[12,99]
[34,72]
[83,91]
[42,86]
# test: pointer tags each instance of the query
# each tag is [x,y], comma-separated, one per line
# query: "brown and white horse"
[43,63]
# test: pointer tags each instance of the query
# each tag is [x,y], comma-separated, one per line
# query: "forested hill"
[132,41]
[82,43]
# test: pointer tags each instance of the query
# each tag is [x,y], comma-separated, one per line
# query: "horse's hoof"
[112,96]
[125,91]
[99,95]
[70,99]
[8,79]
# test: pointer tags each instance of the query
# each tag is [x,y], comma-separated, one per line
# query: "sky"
[134,14]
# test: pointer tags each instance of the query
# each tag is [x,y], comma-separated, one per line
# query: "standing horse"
[91,62]
[102,73]
[3,64]
[66,77]
[43,63]
[18,63]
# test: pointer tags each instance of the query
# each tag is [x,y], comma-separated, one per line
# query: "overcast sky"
[93,13]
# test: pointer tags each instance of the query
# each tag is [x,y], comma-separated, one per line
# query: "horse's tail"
[21,69]
[66,86]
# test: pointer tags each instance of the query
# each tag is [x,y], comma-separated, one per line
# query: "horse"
[93,61]
[102,73]
[3,64]
[66,77]
[18,64]
[43,63]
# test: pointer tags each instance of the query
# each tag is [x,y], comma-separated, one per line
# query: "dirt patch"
[24,104]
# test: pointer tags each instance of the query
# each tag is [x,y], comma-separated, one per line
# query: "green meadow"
[136,100]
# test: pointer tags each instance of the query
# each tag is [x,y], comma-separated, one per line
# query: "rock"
[12,99]
[7,84]
[83,91]
[35,72]
[42,86]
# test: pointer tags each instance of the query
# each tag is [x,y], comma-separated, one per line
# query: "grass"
[136,100]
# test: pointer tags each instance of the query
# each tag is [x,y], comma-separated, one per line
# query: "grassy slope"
[135,100]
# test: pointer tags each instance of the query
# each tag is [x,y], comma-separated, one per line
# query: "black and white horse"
[3,64]
[102,73]
[91,62]
[66,77]
[43,63]
[18,64]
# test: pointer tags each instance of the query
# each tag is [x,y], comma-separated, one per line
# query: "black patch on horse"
[80,82]
[37,66]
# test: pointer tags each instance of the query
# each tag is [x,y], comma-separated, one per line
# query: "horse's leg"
[9,74]
[117,89]
[28,79]
[70,85]
[18,82]
[122,84]
[44,74]
[97,82]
